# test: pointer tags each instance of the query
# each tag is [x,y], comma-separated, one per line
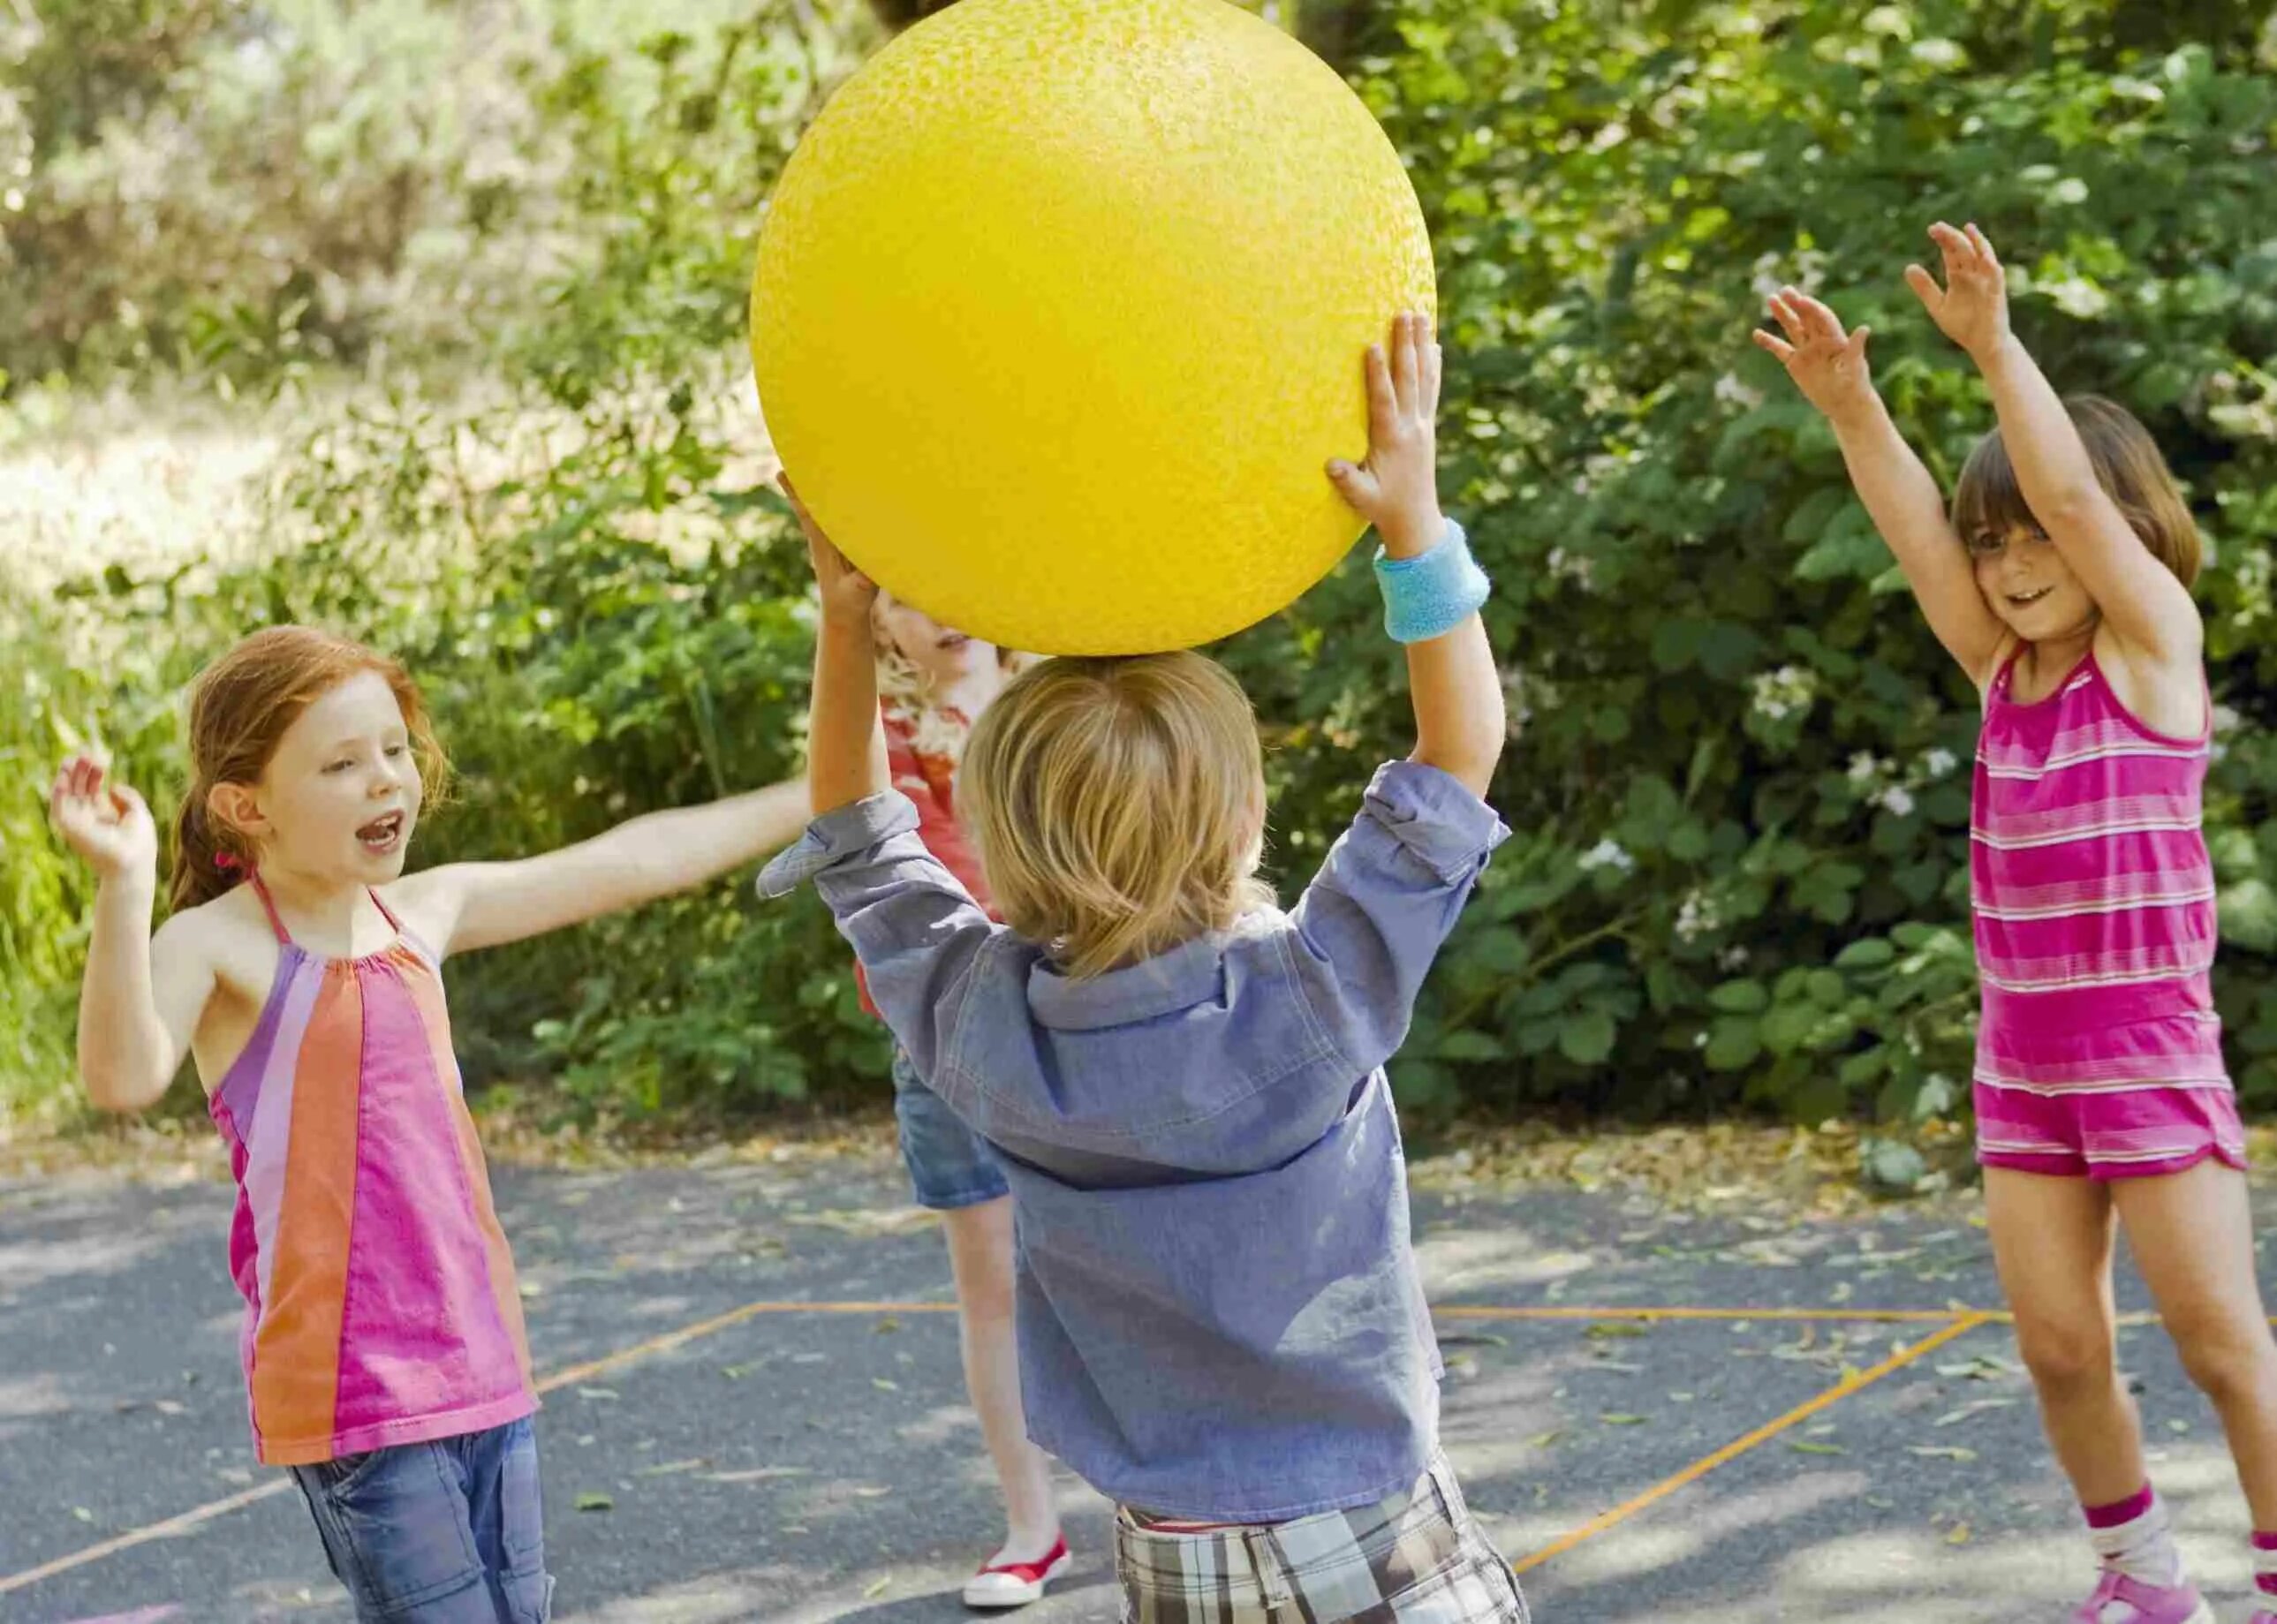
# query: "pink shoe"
[2119,1599]
[1015,1584]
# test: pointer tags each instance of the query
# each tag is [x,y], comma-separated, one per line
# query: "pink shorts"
[2129,1133]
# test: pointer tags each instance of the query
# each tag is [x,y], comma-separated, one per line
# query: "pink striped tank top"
[2094,899]
[381,1304]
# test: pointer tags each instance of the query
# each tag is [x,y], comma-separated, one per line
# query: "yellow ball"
[1060,311]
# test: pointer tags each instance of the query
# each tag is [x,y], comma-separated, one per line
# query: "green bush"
[248,189]
[1740,787]
[1741,793]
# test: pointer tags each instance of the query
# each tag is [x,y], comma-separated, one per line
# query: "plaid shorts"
[1416,1558]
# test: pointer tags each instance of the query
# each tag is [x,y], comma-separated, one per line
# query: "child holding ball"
[1220,1323]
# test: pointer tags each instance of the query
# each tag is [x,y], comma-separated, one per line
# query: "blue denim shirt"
[1220,1316]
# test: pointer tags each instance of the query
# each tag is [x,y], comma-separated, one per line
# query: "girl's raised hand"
[1972,308]
[1827,365]
[846,593]
[105,823]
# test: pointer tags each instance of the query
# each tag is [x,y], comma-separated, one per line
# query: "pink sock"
[2265,1563]
[2120,1511]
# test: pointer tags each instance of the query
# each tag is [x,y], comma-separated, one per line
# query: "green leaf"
[1733,1042]
[1787,1026]
[1498,948]
[1587,1038]
[1870,953]
[1741,997]
[2248,912]
[1469,1044]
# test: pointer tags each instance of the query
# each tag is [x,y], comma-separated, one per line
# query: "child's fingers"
[1856,347]
[1959,253]
[1354,483]
[1791,318]
[1925,287]
[1433,359]
[127,802]
[1819,322]
[1779,347]
[1405,366]
[1983,247]
[1383,406]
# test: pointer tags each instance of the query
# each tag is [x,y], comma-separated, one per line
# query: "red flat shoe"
[1015,1584]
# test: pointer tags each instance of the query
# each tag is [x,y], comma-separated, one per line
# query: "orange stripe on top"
[426,991]
[296,1352]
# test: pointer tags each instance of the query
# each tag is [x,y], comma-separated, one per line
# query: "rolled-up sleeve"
[916,929]
[1373,920]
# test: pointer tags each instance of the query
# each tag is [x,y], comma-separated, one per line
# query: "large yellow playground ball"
[1060,312]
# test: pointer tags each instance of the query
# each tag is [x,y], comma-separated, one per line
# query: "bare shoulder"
[429,902]
[2166,694]
[229,938]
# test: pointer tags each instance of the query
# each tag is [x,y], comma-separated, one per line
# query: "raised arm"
[1899,494]
[141,999]
[1451,677]
[846,741]
[2137,596]
[474,905]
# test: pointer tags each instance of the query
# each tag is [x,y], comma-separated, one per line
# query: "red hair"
[240,707]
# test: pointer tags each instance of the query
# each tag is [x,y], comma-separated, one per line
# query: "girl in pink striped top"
[301,968]
[2061,585]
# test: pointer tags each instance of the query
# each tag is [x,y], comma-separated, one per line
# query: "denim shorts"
[448,1532]
[951,1165]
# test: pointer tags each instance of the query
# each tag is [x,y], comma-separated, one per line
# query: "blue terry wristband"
[1433,593]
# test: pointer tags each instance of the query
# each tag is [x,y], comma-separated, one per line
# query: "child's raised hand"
[1827,365]
[104,822]
[846,593]
[1972,308]
[1397,489]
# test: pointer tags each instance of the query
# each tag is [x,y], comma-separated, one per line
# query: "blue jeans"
[951,1165]
[448,1532]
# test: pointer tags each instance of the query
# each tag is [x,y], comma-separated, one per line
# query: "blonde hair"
[1118,805]
[241,706]
[1988,501]
[905,691]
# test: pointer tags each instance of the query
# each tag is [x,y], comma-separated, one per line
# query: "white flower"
[1731,392]
[1608,855]
[1782,693]
[1899,800]
[1940,761]
[1863,766]
[1697,916]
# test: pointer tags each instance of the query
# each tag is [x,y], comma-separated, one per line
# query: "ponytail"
[207,862]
